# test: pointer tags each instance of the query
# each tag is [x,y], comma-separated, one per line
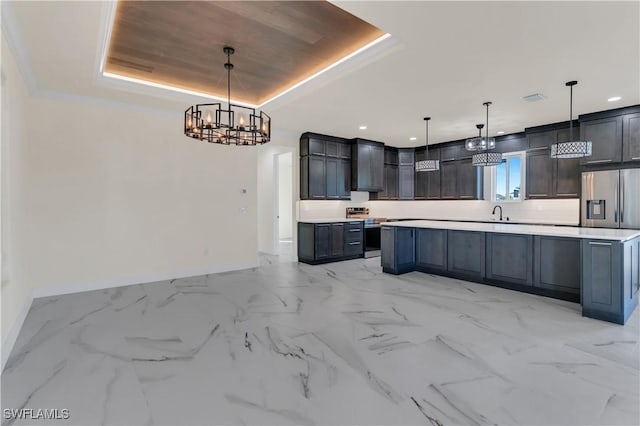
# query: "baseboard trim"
[60,289]
[14,331]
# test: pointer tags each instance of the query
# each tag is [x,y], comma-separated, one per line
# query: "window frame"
[493,175]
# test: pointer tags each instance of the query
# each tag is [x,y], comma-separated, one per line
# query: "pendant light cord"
[426,151]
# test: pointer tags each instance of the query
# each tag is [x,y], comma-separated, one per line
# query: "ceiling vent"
[534,97]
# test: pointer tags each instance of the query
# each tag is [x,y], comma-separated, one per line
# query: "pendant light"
[487,158]
[479,143]
[571,149]
[230,125]
[427,165]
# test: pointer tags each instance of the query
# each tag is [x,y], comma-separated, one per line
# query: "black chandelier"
[236,125]
[486,158]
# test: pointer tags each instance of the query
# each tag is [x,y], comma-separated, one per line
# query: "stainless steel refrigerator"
[611,199]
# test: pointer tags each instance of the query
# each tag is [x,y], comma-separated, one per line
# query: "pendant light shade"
[571,149]
[427,165]
[486,158]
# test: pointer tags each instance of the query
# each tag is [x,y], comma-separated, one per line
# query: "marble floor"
[337,344]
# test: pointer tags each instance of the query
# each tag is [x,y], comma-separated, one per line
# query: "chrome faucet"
[494,210]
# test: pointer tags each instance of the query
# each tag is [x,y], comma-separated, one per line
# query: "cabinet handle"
[573,193]
[466,196]
[355,243]
[354,223]
[599,244]
[538,195]
[598,161]
[354,230]
[635,158]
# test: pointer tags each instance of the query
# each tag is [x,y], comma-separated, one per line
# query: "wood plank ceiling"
[277,43]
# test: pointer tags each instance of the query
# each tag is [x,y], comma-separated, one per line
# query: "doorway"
[283,233]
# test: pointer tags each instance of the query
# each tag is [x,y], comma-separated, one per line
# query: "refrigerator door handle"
[615,202]
[621,198]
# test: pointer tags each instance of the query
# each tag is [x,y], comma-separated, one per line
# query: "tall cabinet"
[325,167]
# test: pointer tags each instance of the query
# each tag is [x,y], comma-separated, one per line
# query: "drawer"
[353,234]
[353,247]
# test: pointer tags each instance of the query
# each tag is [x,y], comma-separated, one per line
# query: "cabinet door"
[316,147]
[377,166]
[337,239]
[466,253]
[390,156]
[331,172]
[431,249]
[344,179]
[468,178]
[392,182]
[406,176]
[511,143]
[433,185]
[450,152]
[364,167]
[421,183]
[557,264]
[322,241]
[606,137]
[317,178]
[631,137]
[448,177]
[542,139]
[510,258]
[406,156]
[567,178]
[601,290]
[332,149]
[539,174]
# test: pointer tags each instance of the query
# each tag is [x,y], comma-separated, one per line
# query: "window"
[508,178]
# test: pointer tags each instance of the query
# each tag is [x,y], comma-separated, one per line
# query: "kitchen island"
[600,268]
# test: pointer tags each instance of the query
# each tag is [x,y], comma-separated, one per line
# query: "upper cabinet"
[367,165]
[511,143]
[631,137]
[615,135]
[325,167]
[548,177]
[606,137]
[406,170]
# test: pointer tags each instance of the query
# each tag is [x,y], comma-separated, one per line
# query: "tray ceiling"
[277,43]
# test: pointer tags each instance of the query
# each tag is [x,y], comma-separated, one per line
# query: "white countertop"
[330,220]
[555,231]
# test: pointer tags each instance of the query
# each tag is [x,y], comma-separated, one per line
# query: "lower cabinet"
[510,258]
[398,249]
[466,254]
[431,250]
[330,242]
[557,264]
[610,279]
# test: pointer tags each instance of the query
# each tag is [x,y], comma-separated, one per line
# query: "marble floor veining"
[337,344]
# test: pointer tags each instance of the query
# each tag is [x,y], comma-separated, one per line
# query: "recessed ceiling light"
[413,138]
[615,98]
[501,132]
[363,127]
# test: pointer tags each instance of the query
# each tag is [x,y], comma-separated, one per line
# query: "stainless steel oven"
[371,229]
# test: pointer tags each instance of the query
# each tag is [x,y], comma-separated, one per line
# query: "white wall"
[103,194]
[16,293]
[285,196]
[281,142]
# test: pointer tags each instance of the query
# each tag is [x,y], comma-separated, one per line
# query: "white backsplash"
[556,212]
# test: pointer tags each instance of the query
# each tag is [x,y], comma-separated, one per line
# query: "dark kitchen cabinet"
[631,137]
[325,167]
[606,137]
[398,249]
[338,179]
[431,250]
[406,182]
[313,178]
[448,178]
[454,151]
[466,254]
[601,289]
[367,166]
[406,156]
[427,184]
[330,242]
[420,179]
[510,258]
[390,155]
[548,177]
[556,263]
[433,185]
[468,180]
[539,182]
[511,143]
